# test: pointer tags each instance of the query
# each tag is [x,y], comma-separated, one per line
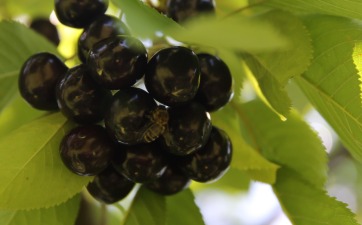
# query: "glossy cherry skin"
[38,78]
[47,29]
[103,27]
[171,182]
[118,62]
[188,129]
[173,75]
[181,10]
[215,89]
[212,161]
[79,13]
[80,98]
[109,186]
[140,163]
[87,150]
[126,117]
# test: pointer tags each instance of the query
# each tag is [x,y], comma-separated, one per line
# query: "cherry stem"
[103,215]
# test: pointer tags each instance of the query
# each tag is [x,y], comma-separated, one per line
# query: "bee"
[156,124]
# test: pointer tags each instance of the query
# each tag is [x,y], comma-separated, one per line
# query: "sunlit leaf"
[17,43]
[245,158]
[305,204]
[357,59]
[65,213]
[32,173]
[21,7]
[13,115]
[224,7]
[236,69]
[268,87]
[272,70]
[236,33]
[291,143]
[293,61]
[345,8]
[332,81]
[143,20]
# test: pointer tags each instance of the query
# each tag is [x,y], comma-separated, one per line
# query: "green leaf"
[357,59]
[236,33]
[250,35]
[299,101]
[294,60]
[181,209]
[345,8]
[65,213]
[143,20]
[147,208]
[223,7]
[233,180]
[32,173]
[17,44]
[13,115]
[272,70]
[268,87]
[331,83]
[21,7]
[305,204]
[290,143]
[245,158]
[236,70]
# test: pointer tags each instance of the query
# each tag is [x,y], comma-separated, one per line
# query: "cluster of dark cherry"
[160,136]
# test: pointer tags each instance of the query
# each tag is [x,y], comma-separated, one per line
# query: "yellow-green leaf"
[236,33]
[306,205]
[17,44]
[245,158]
[291,143]
[332,82]
[62,214]
[32,173]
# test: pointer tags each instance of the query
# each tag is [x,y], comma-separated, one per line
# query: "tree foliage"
[268,44]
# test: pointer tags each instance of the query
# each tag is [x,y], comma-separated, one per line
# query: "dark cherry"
[44,27]
[109,186]
[79,13]
[215,89]
[188,130]
[171,182]
[38,78]
[140,163]
[126,119]
[87,150]
[80,98]
[118,62]
[103,27]
[173,76]
[212,161]
[181,10]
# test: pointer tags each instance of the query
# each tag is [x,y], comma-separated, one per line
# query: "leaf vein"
[332,100]
[30,159]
